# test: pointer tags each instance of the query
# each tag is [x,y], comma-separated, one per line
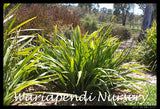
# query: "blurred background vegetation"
[89,16]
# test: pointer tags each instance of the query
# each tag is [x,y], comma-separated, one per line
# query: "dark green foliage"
[121,31]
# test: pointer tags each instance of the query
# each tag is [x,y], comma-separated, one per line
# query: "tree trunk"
[124,20]
[146,21]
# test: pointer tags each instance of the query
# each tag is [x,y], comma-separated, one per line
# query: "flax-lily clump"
[89,63]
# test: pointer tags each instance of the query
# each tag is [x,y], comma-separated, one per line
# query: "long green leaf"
[79,77]
[20,25]
[25,61]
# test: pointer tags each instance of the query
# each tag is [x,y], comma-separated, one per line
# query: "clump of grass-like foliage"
[19,60]
[89,63]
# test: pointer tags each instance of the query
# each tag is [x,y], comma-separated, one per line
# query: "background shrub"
[120,31]
[89,23]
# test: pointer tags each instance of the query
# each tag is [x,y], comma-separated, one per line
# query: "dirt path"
[152,79]
[127,43]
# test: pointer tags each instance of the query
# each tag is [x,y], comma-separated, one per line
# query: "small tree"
[122,10]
